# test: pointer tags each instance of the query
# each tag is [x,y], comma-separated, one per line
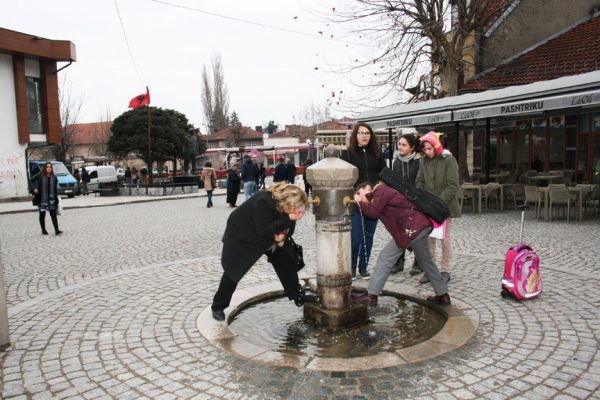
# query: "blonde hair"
[288,196]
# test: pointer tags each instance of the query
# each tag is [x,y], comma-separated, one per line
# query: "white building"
[29,106]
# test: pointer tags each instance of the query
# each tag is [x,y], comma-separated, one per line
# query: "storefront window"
[34,108]
[557,142]
[582,157]
[570,141]
[505,149]
[538,141]
[584,123]
[522,150]
[596,122]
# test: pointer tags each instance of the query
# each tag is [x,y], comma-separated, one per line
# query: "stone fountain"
[332,180]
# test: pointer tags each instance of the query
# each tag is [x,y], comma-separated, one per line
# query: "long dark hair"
[44,173]
[372,147]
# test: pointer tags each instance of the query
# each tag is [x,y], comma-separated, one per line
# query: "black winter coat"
[250,233]
[407,171]
[368,165]
[233,181]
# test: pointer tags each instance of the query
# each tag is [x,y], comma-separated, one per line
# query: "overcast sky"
[270,73]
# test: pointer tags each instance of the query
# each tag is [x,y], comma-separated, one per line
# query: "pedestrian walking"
[209,178]
[409,228]
[127,176]
[307,186]
[260,226]
[262,174]
[233,185]
[45,190]
[281,173]
[438,174]
[249,177]
[77,177]
[291,171]
[85,179]
[363,152]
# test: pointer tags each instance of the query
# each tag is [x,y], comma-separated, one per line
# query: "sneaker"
[446,276]
[424,279]
[353,274]
[218,315]
[399,266]
[365,298]
[443,299]
[364,274]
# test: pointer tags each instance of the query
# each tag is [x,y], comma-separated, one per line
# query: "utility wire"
[128,47]
[245,21]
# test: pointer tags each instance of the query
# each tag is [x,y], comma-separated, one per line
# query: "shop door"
[595,157]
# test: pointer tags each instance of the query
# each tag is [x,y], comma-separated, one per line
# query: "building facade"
[29,105]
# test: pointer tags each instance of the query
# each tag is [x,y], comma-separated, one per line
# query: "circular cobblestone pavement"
[108,310]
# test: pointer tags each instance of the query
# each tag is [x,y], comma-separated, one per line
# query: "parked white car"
[101,174]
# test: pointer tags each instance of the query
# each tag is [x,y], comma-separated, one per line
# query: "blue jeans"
[362,244]
[249,189]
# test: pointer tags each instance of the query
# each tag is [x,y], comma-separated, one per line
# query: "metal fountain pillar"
[332,180]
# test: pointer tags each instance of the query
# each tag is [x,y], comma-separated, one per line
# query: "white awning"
[531,106]
[565,92]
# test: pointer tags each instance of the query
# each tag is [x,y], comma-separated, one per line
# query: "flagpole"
[150,177]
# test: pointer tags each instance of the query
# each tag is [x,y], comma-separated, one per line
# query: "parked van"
[67,185]
[105,174]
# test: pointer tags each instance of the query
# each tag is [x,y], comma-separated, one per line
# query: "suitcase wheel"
[504,293]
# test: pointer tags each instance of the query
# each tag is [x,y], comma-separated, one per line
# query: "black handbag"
[298,254]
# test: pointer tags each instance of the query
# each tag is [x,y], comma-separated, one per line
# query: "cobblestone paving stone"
[109,311]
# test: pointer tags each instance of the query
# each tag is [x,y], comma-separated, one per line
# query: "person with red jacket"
[409,228]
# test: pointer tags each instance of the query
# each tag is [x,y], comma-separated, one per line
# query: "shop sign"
[421,120]
[530,107]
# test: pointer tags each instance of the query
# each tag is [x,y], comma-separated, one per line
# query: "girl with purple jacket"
[409,228]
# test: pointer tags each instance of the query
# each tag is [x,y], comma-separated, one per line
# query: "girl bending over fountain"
[260,226]
[409,229]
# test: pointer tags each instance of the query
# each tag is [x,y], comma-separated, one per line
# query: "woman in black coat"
[45,190]
[233,185]
[363,152]
[260,226]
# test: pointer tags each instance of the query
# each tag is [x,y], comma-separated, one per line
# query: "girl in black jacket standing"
[364,153]
[45,190]
[260,226]
[406,166]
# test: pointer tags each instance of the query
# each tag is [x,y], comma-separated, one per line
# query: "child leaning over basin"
[409,228]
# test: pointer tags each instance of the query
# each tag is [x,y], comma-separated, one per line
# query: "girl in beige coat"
[209,177]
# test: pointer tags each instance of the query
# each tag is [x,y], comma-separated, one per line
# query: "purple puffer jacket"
[400,217]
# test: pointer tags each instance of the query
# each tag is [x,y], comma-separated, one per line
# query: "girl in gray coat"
[438,174]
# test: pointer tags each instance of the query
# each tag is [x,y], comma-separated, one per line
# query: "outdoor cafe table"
[479,188]
[547,178]
[579,191]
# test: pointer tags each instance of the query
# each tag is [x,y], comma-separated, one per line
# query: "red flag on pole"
[140,100]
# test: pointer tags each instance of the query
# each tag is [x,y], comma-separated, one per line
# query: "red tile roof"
[575,52]
[224,134]
[90,133]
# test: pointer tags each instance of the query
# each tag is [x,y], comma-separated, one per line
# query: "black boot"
[43,222]
[55,223]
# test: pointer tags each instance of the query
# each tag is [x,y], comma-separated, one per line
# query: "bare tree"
[101,136]
[70,110]
[215,98]
[416,45]
[313,114]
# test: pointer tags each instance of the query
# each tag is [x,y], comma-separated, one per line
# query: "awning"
[566,92]
[426,119]
[531,106]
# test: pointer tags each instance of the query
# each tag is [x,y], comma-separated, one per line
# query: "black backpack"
[426,202]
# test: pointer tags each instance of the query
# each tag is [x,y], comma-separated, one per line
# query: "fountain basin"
[460,324]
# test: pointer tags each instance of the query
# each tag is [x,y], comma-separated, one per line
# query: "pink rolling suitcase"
[521,279]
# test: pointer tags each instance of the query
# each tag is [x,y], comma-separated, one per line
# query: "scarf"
[406,160]
[48,191]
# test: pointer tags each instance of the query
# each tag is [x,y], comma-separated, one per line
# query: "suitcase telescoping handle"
[523,208]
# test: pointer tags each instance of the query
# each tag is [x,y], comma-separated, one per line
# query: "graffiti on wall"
[12,168]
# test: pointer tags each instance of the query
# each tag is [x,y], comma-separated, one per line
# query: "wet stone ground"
[108,310]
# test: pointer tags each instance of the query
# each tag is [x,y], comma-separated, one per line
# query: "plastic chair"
[468,194]
[560,195]
[491,190]
[533,195]
[514,191]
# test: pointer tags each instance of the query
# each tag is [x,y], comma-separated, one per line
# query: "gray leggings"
[389,255]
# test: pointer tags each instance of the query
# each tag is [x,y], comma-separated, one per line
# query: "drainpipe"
[487,150]
[63,67]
